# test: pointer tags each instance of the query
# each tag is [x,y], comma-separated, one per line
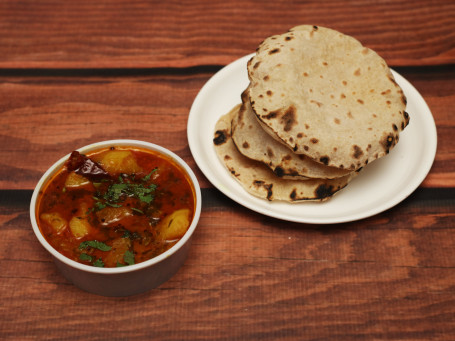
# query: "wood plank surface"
[248,277]
[46,116]
[77,72]
[150,34]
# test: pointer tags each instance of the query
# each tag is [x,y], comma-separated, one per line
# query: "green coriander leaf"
[137,210]
[146,198]
[128,257]
[85,257]
[99,206]
[113,205]
[94,244]
[149,175]
[98,263]
[119,265]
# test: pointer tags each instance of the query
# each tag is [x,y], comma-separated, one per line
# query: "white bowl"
[132,279]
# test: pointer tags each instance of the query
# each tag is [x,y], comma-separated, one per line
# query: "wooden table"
[77,72]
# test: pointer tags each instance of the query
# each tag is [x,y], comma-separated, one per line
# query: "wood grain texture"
[47,115]
[77,72]
[248,277]
[151,34]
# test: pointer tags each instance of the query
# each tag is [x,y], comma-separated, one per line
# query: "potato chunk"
[79,227]
[119,161]
[55,220]
[174,225]
[74,180]
[79,224]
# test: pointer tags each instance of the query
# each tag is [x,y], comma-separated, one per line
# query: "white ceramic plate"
[381,185]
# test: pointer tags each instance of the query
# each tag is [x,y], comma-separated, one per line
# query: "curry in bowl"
[116,206]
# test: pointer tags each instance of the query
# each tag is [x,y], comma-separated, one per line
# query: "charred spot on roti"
[315,28]
[305,74]
[357,72]
[394,127]
[256,65]
[288,38]
[306,148]
[266,78]
[270,115]
[245,145]
[289,118]
[221,137]
[300,135]
[324,159]
[406,117]
[314,140]
[324,191]
[270,152]
[274,51]
[360,101]
[357,152]
[269,93]
[387,141]
[336,120]
[227,157]
[342,96]
[267,187]
[404,100]
[344,82]
[279,172]
[233,172]
[293,194]
[386,92]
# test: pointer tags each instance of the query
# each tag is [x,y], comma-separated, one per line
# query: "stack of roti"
[318,108]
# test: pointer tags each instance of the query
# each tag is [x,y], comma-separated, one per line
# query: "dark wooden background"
[77,72]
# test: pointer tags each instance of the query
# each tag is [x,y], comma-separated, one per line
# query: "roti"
[255,143]
[326,96]
[259,180]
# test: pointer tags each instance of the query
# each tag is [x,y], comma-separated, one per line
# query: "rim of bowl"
[130,268]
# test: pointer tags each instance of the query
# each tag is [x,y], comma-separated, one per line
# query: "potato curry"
[116,206]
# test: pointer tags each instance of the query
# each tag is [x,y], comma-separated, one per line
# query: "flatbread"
[255,143]
[326,96]
[259,180]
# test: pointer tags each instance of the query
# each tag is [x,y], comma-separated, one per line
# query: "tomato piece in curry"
[116,206]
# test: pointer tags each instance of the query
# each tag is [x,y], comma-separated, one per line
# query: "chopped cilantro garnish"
[137,210]
[85,257]
[128,257]
[139,191]
[98,263]
[94,244]
[148,176]
[99,206]
[125,186]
